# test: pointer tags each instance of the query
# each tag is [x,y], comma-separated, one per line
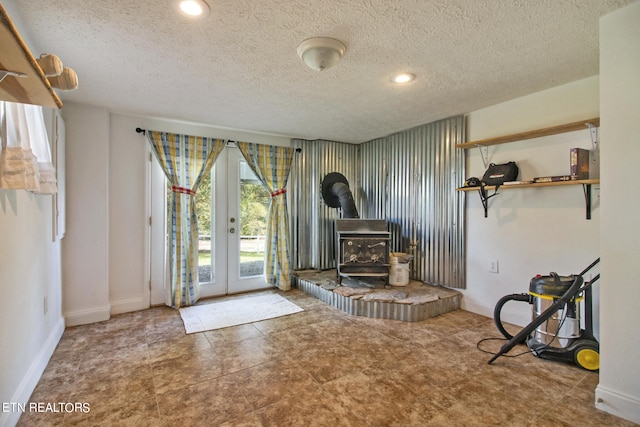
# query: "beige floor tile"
[233,334]
[319,367]
[247,420]
[327,363]
[117,397]
[35,419]
[207,403]
[310,407]
[247,354]
[296,340]
[183,346]
[273,381]
[381,400]
[184,371]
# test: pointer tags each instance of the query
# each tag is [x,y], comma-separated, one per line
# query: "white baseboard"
[128,305]
[518,318]
[84,317]
[476,308]
[618,404]
[33,374]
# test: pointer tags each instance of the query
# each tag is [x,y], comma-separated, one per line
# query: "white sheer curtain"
[25,158]
[18,164]
[41,148]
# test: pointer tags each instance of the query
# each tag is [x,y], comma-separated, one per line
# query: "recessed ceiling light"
[403,78]
[194,7]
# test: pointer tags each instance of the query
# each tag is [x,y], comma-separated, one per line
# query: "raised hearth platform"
[412,303]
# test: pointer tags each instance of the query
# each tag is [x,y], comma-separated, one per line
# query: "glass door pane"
[254,208]
[206,251]
[247,225]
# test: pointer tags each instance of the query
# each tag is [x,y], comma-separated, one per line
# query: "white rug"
[235,311]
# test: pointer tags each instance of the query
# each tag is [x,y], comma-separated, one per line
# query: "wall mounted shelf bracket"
[484,198]
[5,73]
[594,135]
[484,153]
[587,199]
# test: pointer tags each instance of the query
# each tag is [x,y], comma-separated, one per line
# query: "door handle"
[232,230]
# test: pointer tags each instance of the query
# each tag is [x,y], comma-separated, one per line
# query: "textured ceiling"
[238,68]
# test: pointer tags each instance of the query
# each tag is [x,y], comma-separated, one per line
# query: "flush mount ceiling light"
[194,7]
[403,78]
[320,53]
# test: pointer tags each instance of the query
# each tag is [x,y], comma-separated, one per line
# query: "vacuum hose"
[501,302]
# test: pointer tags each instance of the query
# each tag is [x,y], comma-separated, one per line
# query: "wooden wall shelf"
[16,59]
[586,185]
[590,124]
[535,185]
[554,130]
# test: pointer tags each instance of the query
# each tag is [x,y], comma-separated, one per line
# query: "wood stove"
[363,248]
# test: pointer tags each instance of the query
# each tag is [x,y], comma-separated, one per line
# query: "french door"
[232,219]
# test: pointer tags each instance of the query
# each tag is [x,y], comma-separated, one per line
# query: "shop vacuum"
[555,330]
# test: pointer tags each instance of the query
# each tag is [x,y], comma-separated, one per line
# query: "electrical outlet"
[46,305]
[493,266]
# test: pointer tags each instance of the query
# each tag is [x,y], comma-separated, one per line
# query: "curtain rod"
[144,132]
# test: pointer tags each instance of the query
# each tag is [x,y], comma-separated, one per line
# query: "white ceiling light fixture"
[321,53]
[403,78]
[194,7]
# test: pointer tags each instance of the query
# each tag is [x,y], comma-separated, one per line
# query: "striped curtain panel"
[185,160]
[272,166]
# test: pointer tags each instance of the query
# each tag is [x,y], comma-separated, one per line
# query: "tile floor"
[320,367]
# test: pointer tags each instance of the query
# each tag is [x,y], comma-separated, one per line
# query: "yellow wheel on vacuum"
[588,358]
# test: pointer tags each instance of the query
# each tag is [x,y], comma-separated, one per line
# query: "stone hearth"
[412,303]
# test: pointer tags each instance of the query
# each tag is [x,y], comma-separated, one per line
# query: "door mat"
[235,311]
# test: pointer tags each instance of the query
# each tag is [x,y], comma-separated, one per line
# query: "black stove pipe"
[342,192]
[336,194]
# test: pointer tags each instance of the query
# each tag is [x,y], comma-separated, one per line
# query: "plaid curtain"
[185,160]
[272,165]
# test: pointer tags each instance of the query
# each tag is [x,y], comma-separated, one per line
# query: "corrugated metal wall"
[312,222]
[408,179]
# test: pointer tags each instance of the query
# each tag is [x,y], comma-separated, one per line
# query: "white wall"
[619,388]
[85,249]
[29,272]
[128,265]
[532,230]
